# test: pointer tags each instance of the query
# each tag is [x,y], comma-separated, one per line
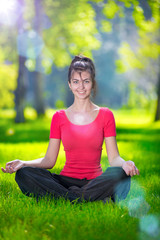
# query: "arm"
[47,162]
[115,159]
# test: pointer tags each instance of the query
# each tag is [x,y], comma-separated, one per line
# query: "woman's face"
[81,84]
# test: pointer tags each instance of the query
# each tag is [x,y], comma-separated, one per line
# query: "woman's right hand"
[13,166]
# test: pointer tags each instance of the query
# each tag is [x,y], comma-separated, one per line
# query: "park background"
[37,43]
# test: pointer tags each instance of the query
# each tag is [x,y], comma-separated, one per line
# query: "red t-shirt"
[83,143]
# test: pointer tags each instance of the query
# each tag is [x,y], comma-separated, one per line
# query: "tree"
[8,71]
[22,77]
[157,116]
[71,30]
[38,77]
[143,57]
[8,75]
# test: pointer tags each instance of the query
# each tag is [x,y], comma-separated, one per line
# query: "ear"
[69,84]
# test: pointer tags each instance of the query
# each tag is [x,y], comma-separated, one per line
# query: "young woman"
[82,128]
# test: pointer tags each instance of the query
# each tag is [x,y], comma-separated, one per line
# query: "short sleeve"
[55,131]
[109,123]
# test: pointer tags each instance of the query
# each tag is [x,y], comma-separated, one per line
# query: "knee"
[121,174]
[122,188]
[22,178]
[22,174]
[117,173]
[124,175]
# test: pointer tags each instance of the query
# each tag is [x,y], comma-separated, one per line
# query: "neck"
[82,105]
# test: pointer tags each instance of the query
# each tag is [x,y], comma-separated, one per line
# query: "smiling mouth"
[81,92]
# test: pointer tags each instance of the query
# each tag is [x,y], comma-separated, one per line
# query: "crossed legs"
[113,183]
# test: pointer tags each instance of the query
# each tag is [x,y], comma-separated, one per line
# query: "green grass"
[23,218]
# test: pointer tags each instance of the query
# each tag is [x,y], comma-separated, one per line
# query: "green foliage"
[30,64]
[72,31]
[30,113]
[139,60]
[61,40]
[76,35]
[129,59]
[106,26]
[8,50]
[111,9]
[2,55]
[148,30]
[139,99]
[8,74]
[59,104]
[29,13]
[149,47]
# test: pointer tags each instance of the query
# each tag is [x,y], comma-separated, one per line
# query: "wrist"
[24,163]
[123,163]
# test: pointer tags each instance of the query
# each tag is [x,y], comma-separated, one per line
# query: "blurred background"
[39,38]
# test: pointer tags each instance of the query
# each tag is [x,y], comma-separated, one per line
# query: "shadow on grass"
[139,133]
[39,130]
[31,131]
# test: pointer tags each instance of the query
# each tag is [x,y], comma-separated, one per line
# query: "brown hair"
[81,63]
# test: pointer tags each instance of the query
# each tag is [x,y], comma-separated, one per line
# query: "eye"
[75,81]
[87,81]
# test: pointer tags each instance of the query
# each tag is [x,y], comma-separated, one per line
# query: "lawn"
[137,217]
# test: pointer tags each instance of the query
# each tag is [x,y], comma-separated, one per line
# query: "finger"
[8,169]
[9,163]
[137,171]
[127,169]
[11,170]
[3,170]
[131,174]
[16,168]
[127,172]
[132,171]
[132,164]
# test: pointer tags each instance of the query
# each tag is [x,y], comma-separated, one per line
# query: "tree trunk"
[157,116]
[38,76]
[20,91]
[38,93]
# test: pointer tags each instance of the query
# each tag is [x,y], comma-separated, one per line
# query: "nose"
[81,84]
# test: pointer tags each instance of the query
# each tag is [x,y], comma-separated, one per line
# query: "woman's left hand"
[130,168]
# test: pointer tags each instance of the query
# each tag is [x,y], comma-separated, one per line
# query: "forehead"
[81,74]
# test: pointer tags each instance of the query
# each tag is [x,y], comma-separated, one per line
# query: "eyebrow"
[82,79]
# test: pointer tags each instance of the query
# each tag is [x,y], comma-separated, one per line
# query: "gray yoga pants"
[113,184]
